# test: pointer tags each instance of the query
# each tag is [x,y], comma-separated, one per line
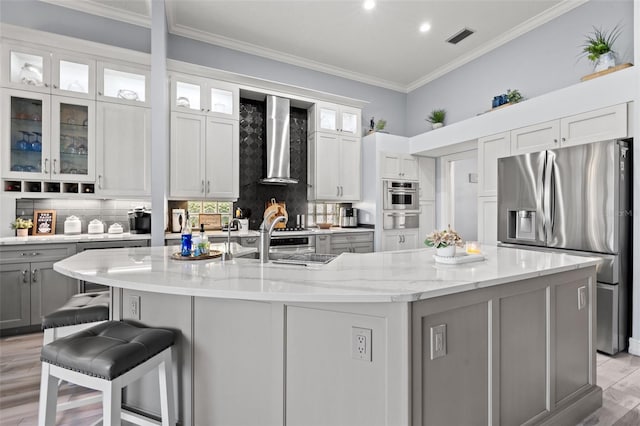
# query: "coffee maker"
[139,221]
[348,216]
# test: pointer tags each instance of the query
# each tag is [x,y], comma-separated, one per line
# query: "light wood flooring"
[619,377]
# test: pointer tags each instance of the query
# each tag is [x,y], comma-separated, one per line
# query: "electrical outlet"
[582,297]
[438,341]
[134,307]
[361,343]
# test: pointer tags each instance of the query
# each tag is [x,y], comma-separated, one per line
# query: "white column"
[159,122]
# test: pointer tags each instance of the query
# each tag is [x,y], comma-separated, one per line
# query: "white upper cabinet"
[204,96]
[334,167]
[123,84]
[48,71]
[594,126]
[535,138]
[337,119]
[490,148]
[588,127]
[398,166]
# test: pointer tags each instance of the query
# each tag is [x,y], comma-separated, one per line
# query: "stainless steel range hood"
[278,143]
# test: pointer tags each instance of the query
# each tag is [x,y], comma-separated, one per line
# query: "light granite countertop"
[309,231]
[400,276]
[62,238]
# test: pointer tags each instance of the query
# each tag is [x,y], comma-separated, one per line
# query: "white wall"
[542,60]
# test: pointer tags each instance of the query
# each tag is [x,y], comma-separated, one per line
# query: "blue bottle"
[185,245]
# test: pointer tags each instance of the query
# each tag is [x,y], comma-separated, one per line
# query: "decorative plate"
[212,255]
[458,259]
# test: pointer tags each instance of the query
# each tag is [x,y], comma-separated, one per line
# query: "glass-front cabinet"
[204,96]
[26,140]
[72,139]
[332,118]
[123,84]
[47,137]
[47,72]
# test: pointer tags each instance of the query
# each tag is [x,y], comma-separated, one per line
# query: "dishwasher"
[86,286]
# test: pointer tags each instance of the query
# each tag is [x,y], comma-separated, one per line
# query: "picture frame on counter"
[44,222]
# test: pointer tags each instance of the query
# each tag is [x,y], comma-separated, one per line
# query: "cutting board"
[277,207]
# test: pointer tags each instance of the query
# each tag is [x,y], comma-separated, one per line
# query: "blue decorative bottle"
[185,245]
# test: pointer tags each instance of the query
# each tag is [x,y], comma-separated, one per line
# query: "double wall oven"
[400,204]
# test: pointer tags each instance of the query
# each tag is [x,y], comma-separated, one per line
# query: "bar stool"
[107,357]
[79,312]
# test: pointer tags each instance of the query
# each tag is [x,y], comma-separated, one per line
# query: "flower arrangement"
[446,238]
[21,223]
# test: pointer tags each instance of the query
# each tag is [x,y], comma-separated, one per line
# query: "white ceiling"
[382,46]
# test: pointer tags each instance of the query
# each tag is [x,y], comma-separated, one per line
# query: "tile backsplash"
[108,211]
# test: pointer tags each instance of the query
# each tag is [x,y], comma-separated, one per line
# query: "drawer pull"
[34,275]
[24,276]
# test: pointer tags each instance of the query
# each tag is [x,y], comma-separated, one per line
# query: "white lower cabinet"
[405,239]
[204,156]
[488,220]
[123,160]
[334,164]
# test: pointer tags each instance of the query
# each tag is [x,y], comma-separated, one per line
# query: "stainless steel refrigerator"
[576,200]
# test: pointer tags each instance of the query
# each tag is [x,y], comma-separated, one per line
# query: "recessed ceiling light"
[369,4]
[425,27]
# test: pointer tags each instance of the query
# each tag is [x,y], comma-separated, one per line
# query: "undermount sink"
[303,259]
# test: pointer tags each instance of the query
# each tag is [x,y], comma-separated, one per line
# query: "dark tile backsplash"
[253,163]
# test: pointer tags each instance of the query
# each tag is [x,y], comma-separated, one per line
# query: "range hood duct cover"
[278,142]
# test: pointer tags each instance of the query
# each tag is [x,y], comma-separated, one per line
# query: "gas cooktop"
[293,229]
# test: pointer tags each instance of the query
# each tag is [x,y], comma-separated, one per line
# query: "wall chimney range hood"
[278,143]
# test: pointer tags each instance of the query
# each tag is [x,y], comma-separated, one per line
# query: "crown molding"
[530,24]
[275,55]
[106,11]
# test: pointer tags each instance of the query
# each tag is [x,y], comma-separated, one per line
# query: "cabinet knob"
[555,141]
[564,139]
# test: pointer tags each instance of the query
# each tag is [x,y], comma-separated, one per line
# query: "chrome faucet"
[227,254]
[265,235]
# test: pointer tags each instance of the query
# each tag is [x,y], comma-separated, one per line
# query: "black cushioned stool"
[108,357]
[79,312]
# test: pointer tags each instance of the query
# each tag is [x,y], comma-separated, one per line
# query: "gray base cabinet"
[357,242]
[29,287]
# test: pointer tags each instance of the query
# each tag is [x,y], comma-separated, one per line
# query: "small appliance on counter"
[95,227]
[72,225]
[140,221]
[348,217]
[115,228]
[177,219]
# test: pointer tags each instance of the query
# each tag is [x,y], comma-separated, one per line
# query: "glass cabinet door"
[187,96]
[350,121]
[123,84]
[73,153]
[27,136]
[223,99]
[27,68]
[75,77]
[328,118]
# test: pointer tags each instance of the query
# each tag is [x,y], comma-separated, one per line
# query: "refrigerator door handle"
[548,196]
[540,203]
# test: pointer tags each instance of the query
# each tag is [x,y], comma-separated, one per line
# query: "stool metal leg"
[165,374]
[48,397]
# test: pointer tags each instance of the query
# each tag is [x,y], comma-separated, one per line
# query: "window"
[321,213]
[224,208]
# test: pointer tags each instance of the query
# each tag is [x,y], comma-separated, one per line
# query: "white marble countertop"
[62,238]
[309,231]
[400,276]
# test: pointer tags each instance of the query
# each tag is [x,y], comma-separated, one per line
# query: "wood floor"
[618,376]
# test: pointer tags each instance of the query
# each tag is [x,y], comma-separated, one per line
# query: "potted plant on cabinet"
[21,226]
[436,118]
[444,242]
[598,48]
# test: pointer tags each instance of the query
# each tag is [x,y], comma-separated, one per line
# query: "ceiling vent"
[459,36]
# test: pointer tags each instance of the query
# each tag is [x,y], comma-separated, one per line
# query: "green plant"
[437,116]
[381,124]
[446,238]
[21,223]
[513,96]
[600,42]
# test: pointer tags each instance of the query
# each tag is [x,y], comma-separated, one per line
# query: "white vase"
[605,61]
[436,125]
[448,251]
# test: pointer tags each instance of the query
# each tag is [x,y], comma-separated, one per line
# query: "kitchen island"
[369,339]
